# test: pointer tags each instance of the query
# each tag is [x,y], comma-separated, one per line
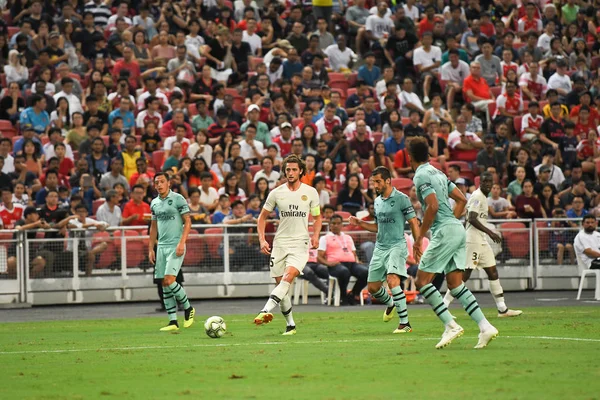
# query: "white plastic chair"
[334,289]
[584,273]
[301,289]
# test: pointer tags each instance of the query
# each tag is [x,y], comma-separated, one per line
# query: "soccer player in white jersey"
[294,200]
[479,252]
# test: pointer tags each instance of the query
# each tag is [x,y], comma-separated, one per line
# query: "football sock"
[180,295]
[383,297]
[448,298]
[434,298]
[400,303]
[276,295]
[498,293]
[170,303]
[286,309]
[469,303]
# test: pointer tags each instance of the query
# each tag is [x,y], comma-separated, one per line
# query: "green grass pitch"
[546,353]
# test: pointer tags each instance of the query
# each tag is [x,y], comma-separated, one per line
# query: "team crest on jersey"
[170,202]
[304,197]
[392,203]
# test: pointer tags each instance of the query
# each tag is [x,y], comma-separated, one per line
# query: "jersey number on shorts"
[272,262]
[474,259]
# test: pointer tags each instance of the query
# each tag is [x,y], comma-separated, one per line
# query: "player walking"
[479,252]
[446,251]
[292,241]
[171,216]
[392,209]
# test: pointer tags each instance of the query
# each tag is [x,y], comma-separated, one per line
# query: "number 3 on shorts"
[474,259]
[272,262]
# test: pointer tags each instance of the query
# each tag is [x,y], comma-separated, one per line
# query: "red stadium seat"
[477,181]
[134,247]
[340,169]
[192,110]
[213,237]
[254,169]
[402,184]
[333,200]
[96,205]
[340,85]
[352,79]
[516,242]
[195,250]
[108,256]
[543,236]
[344,214]
[496,90]
[377,137]
[517,125]
[436,164]
[158,159]
[12,30]
[337,76]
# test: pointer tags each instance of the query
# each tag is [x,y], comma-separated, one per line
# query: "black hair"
[419,149]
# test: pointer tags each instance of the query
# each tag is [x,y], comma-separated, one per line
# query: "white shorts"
[283,257]
[480,256]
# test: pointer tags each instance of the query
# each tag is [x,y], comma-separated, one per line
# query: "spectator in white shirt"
[560,81]
[587,244]
[252,38]
[67,92]
[268,173]
[545,38]
[340,57]
[410,100]
[209,198]
[252,151]
[110,212]
[427,59]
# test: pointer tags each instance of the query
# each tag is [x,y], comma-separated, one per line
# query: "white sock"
[484,324]
[277,295]
[286,309]
[451,325]
[448,298]
[498,293]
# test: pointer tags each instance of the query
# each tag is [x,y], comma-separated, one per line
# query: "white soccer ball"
[215,327]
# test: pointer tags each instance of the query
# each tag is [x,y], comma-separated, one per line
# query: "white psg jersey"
[294,208]
[477,204]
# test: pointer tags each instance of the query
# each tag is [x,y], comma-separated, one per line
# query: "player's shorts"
[446,251]
[167,263]
[389,261]
[480,256]
[283,257]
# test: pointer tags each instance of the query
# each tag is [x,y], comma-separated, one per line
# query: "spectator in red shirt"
[135,209]
[142,170]
[169,127]
[476,90]
[284,141]
[128,63]
[10,212]
[217,129]
[426,24]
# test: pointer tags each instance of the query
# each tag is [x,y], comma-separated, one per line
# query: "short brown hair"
[294,159]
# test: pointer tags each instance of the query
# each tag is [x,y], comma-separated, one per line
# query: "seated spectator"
[379,158]
[12,104]
[109,179]
[10,212]
[251,150]
[548,165]
[464,146]
[499,207]
[174,160]
[352,197]
[577,209]
[474,124]
[87,258]
[30,222]
[35,116]
[515,187]
[222,210]
[268,173]
[179,137]
[110,212]
[136,211]
[477,91]
[527,205]
[489,156]
[208,196]
[531,123]
[337,252]
[491,70]
[360,145]
[561,238]
[587,244]
[170,127]
[232,189]
[340,56]
[198,213]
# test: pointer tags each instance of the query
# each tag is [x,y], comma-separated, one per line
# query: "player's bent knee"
[393,280]
[168,280]
[373,287]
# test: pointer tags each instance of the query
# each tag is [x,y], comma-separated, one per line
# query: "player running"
[171,215]
[292,241]
[479,252]
[446,251]
[392,209]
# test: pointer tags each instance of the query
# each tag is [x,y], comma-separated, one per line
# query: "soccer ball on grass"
[215,327]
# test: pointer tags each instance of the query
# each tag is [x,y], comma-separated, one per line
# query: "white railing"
[224,261]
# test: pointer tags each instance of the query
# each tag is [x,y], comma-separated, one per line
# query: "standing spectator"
[338,253]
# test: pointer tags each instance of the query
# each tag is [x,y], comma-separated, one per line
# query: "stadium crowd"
[98,96]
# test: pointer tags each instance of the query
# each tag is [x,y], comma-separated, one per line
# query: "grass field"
[346,355]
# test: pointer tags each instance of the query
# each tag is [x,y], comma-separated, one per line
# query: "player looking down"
[446,251]
[392,210]
[294,200]
[171,216]
[479,252]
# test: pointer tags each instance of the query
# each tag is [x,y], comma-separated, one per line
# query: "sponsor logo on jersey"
[383,218]
[294,211]
[162,216]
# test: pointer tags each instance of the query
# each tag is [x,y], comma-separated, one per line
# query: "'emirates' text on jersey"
[294,208]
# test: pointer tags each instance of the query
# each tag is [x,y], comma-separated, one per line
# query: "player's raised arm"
[260,227]
[367,226]
[460,199]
